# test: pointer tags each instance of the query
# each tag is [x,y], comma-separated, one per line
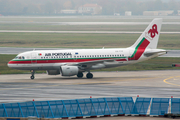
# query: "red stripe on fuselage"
[121,60]
[140,50]
[53,61]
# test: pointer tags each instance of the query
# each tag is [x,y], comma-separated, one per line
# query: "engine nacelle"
[53,72]
[69,70]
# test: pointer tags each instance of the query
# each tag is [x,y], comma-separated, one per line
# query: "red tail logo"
[153,31]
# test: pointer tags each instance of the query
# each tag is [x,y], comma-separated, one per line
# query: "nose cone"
[10,65]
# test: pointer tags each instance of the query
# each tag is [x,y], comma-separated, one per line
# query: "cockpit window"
[19,57]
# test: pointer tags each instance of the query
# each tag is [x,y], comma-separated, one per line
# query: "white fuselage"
[53,59]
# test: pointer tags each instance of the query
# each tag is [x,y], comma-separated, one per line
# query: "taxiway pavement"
[19,87]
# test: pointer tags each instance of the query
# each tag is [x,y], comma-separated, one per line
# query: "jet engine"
[69,70]
[53,72]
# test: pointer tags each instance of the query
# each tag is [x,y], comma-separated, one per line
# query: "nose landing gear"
[32,74]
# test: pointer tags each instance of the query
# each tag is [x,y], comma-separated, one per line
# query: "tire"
[32,77]
[80,75]
[89,75]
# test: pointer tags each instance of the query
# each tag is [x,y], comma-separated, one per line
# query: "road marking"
[165,80]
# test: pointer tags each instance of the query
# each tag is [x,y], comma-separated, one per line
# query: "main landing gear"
[32,74]
[88,75]
[80,75]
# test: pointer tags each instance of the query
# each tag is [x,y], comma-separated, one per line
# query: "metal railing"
[90,107]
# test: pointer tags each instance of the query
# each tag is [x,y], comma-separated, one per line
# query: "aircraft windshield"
[19,57]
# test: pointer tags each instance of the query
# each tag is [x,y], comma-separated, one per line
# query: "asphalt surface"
[14,50]
[19,87]
[153,84]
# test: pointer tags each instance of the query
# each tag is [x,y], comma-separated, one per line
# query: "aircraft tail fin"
[149,38]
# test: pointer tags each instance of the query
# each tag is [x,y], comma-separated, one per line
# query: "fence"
[90,107]
[141,106]
[159,106]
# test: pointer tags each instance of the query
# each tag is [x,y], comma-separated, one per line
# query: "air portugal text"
[57,54]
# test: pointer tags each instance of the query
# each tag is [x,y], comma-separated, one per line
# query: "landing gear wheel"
[32,74]
[32,77]
[80,75]
[89,75]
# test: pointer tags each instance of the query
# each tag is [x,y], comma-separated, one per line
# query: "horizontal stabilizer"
[154,51]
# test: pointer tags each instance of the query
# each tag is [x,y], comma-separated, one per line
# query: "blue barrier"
[89,107]
[65,108]
[127,103]
[141,106]
[115,106]
[159,106]
[175,105]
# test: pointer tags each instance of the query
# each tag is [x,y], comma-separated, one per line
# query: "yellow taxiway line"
[165,80]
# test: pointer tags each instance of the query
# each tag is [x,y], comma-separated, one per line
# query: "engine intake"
[69,70]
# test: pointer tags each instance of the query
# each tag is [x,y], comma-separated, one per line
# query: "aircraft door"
[33,58]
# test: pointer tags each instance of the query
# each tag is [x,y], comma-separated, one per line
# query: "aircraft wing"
[94,62]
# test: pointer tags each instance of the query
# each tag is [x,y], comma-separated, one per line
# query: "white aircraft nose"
[10,65]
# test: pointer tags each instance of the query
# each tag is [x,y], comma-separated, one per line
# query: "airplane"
[76,61]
